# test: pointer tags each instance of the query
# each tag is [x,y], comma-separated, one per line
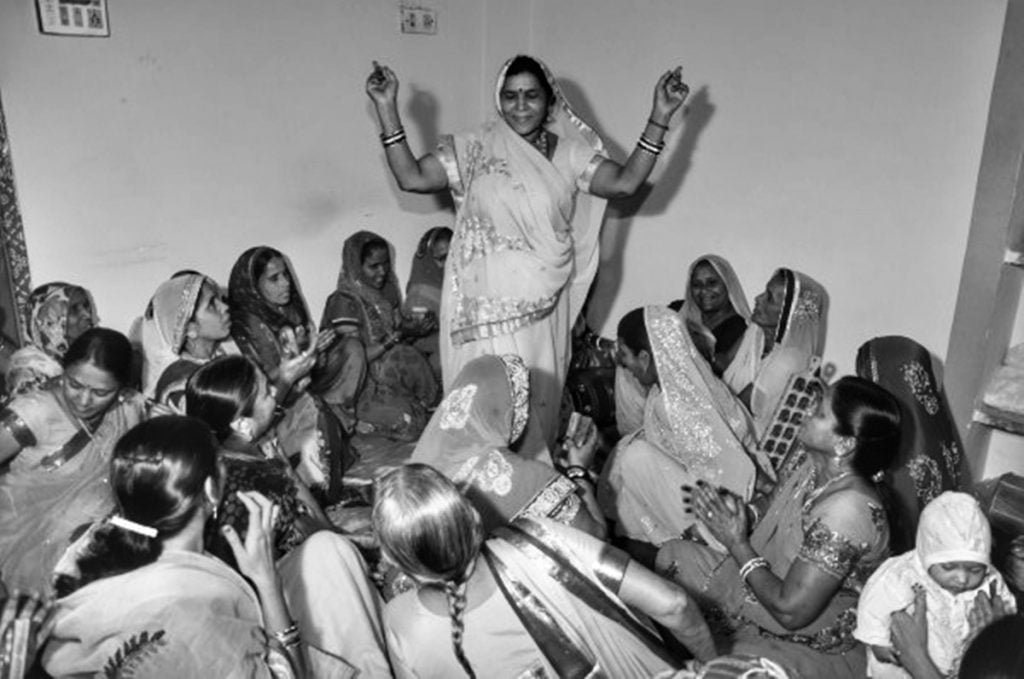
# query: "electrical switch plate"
[419,20]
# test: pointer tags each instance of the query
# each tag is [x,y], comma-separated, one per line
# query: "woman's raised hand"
[669,95]
[255,556]
[382,85]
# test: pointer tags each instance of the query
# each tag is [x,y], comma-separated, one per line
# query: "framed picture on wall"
[73,17]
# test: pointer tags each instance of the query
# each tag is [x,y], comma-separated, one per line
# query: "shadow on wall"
[422,113]
[650,199]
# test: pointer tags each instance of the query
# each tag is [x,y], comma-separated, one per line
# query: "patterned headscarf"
[487,408]
[48,316]
[350,278]
[244,294]
[164,325]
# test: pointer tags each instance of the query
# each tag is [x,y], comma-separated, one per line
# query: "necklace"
[813,496]
[541,143]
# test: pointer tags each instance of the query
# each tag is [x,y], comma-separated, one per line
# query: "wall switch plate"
[418,20]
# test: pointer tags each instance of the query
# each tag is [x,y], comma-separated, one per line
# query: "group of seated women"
[173,495]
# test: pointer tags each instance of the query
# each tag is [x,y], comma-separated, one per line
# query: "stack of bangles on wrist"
[752,565]
[396,137]
[289,637]
[652,147]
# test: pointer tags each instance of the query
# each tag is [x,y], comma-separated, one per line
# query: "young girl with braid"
[537,599]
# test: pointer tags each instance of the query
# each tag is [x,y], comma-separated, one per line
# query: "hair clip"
[133,527]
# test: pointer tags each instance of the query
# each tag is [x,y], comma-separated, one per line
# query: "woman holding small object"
[390,384]
[529,186]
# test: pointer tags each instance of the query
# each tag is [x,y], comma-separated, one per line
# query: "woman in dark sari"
[271,325]
[396,386]
[931,459]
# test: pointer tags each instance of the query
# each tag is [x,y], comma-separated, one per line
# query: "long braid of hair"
[455,592]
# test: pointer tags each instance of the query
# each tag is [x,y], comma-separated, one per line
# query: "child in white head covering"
[951,563]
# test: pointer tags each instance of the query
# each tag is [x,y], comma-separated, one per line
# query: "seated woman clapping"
[788,590]
[147,600]
[537,599]
[55,446]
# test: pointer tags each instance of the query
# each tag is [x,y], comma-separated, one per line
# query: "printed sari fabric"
[555,613]
[725,336]
[799,343]
[524,250]
[399,385]
[468,440]
[57,482]
[266,333]
[845,534]
[931,457]
[693,428]
[185,615]
[40,360]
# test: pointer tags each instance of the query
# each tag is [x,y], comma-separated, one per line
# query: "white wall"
[839,138]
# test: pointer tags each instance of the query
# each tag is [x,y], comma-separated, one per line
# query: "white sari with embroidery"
[694,428]
[524,250]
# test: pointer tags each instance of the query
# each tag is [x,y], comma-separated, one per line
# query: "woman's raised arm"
[612,180]
[425,175]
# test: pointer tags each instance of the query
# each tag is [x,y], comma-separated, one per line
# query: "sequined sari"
[40,360]
[524,250]
[930,459]
[468,440]
[693,428]
[845,534]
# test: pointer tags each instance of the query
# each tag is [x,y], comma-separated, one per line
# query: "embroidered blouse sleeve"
[26,416]
[839,532]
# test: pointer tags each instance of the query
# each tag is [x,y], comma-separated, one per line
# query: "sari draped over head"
[691,312]
[799,343]
[555,613]
[392,392]
[184,615]
[693,428]
[40,359]
[931,457]
[57,482]
[380,307]
[468,441]
[953,527]
[845,534]
[525,246]
[264,330]
[164,324]
[266,333]
[426,278]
